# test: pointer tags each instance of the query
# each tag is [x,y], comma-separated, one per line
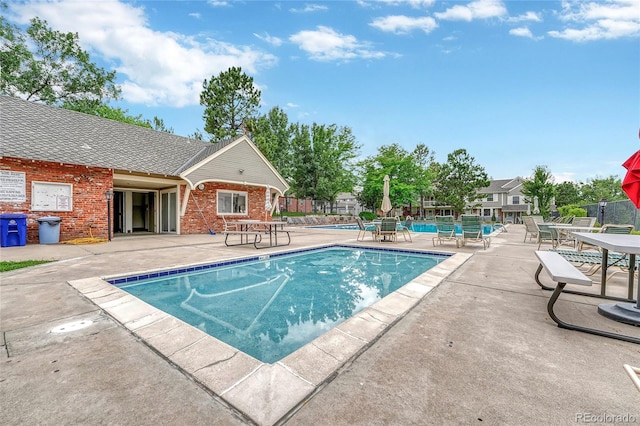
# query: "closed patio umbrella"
[386,202]
[267,202]
[631,181]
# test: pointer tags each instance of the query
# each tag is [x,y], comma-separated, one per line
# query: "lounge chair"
[406,228]
[363,229]
[387,230]
[472,231]
[530,226]
[445,230]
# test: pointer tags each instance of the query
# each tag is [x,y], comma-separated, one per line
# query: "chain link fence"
[615,212]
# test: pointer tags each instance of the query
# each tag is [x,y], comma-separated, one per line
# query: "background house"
[56,162]
[503,201]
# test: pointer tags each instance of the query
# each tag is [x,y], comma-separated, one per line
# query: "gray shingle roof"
[501,186]
[42,132]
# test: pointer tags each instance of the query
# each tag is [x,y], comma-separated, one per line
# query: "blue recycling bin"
[13,229]
[49,229]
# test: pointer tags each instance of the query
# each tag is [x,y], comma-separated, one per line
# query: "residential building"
[503,201]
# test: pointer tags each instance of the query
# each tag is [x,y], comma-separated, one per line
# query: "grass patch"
[10,266]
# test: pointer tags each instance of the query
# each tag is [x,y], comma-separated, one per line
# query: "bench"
[257,237]
[563,272]
[579,259]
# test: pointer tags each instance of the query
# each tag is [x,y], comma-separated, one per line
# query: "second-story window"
[515,199]
[489,197]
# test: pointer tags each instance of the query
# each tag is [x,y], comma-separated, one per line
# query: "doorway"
[134,211]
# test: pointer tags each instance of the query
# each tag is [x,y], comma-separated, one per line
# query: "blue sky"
[516,83]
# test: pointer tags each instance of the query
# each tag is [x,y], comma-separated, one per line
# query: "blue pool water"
[415,227]
[431,227]
[269,307]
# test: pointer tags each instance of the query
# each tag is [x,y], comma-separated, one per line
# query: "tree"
[458,181]
[403,170]
[322,161]
[424,179]
[595,189]
[231,101]
[57,70]
[540,186]
[272,134]
[567,193]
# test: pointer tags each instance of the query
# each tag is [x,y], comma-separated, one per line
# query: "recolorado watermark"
[606,418]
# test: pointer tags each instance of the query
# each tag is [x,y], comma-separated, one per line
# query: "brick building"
[56,162]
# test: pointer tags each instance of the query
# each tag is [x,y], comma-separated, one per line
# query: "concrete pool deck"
[478,347]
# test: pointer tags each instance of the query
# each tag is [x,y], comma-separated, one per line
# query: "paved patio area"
[480,347]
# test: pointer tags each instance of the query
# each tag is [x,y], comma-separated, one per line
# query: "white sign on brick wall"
[50,196]
[13,186]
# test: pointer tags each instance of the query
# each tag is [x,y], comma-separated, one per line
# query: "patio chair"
[363,229]
[607,229]
[564,234]
[406,228]
[387,230]
[530,226]
[445,230]
[472,231]
[547,232]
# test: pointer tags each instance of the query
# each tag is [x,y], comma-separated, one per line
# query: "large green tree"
[609,188]
[567,193]
[272,134]
[458,181]
[540,185]
[323,161]
[424,174]
[403,169]
[231,101]
[48,66]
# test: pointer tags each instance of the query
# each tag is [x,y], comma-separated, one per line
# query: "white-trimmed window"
[230,202]
[515,199]
[489,197]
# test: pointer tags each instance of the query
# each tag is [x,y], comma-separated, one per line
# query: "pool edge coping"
[227,373]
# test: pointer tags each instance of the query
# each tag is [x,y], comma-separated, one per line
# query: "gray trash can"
[49,229]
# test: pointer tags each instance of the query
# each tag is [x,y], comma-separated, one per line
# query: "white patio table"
[627,312]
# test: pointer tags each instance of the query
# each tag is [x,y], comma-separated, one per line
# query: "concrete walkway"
[479,348]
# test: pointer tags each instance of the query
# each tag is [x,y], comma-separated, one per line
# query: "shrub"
[367,216]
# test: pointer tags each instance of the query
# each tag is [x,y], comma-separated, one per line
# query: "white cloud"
[479,9]
[599,20]
[218,3]
[522,32]
[400,24]
[413,3]
[195,15]
[526,17]
[310,8]
[325,44]
[274,41]
[158,68]
[562,177]
[292,105]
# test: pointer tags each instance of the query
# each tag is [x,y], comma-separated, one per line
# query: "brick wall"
[89,209]
[194,222]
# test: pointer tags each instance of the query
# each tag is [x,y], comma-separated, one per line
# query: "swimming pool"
[272,305]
